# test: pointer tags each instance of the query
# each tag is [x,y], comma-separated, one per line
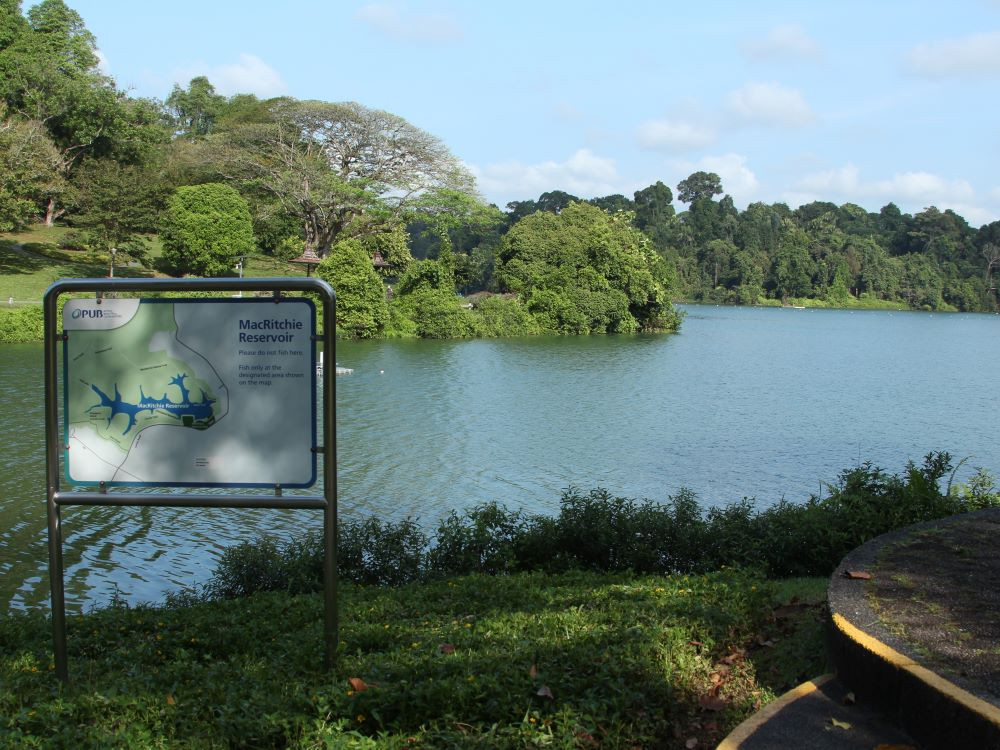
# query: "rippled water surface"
[745,401]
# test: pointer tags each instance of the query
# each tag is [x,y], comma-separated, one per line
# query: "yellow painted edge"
[750,725]
[975,704]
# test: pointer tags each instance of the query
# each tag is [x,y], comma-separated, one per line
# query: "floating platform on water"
[339,370]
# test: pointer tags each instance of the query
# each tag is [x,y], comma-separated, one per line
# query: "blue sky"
[867,102]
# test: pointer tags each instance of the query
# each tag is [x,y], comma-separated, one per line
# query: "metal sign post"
[116,420]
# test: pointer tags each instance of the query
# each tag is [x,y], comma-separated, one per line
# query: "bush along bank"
[441,654]
[600,532]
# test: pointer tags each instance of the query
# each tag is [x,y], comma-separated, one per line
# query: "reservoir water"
[761,402]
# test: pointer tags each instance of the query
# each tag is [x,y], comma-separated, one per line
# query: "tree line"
[393,219]
[838,255]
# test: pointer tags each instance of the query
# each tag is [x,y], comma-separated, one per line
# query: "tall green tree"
[205,230]
[113,207]
[583,271]
[614,203]
[445,211]
[12,22]
[49,74]
[29,170]
[195,109]
[342,169]
[792,269]
[655,214]
[699,185]
[362,310]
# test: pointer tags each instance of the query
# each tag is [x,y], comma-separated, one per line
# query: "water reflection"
[744,401]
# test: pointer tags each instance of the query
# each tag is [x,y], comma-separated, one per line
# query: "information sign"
[190,392]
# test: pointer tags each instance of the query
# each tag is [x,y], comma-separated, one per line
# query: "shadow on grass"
[53,264]
[584,660]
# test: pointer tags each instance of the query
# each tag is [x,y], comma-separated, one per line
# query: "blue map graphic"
[198,414]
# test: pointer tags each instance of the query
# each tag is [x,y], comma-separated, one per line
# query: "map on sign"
[190,392]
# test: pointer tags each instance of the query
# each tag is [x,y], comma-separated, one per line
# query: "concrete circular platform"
[914,636]
[899,606]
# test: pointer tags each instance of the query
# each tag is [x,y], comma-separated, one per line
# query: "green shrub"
[438,314]
[379,552]
[205,230]
[598,531]
[500,316]
[22,324]
[362,311]
[484,539]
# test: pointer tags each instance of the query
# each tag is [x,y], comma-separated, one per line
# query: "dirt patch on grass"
[938,590]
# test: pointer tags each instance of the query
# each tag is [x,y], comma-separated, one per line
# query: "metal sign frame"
[57,498]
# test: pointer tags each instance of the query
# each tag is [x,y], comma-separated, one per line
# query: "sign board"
[190,392]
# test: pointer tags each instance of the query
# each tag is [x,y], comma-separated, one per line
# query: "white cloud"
[102,63]
[770,104]
[738,180]
[583,174]
[912,187]
[913,191]
[674,135]
[397,23]
[782,43]
[842,181]
[248,75]
[923,186]
[977,55]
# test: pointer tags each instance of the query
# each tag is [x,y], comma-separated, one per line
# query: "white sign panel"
[190,392]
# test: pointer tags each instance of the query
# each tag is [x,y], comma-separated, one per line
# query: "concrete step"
[819,715]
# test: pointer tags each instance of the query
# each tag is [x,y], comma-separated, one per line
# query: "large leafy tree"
[205,230]
[342,169]
[792,270]
[12,23]
[583,271]
[113,207]
[49,74]
[699,185]
[196,109]
[28,169]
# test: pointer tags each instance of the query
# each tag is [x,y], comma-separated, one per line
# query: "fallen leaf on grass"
[836,723]
[533,671]
[858,575]
[447,648]
[712,703]
[787,610]
[544,692]
[170,700]
[734,657]
[358,685]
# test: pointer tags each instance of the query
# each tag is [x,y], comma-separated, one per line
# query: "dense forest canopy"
[322,178]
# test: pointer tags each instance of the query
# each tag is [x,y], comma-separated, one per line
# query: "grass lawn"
[577,660]
[25,274]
